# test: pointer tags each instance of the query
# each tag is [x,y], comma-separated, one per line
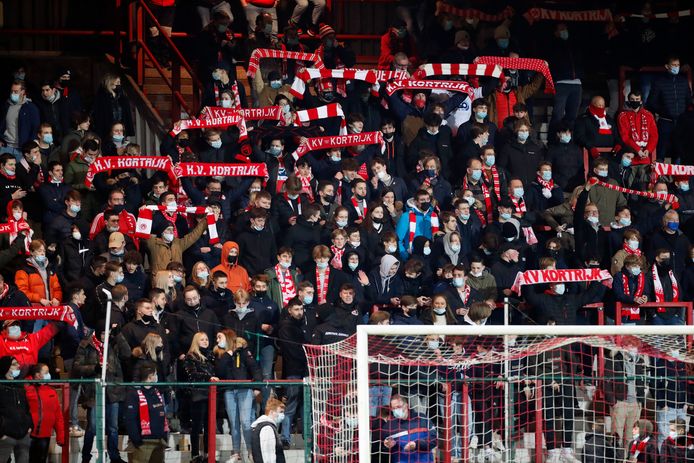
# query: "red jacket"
[126,223]
[26,348]
[45,412]
[636,121]
[391,44]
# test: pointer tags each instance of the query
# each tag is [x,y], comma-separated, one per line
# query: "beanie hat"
[324,30]
[5,364]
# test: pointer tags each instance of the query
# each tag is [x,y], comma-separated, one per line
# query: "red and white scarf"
[449,85]
[305,75]
[670,198]
[457,69]
[472,13]
[287,285]
[211,117]
[534,277]
[336,261]
[322,287]
[434,218]
[63,313]
[13,227]
[658,288]
[662,169]
[628,250]
[108,163]
[143,228]
[544,14]
[494,181]
[641,135]
[633,312]
[99,346]
[291,204]
[360,207]
[545,184]
[667,15]
[306,186]
[145,422]
[599,114]
[487,197]
[464,294]
[209,169]
[519,205]
[528,64]
[258,53]
[638,447]
[339,141]
[323,112]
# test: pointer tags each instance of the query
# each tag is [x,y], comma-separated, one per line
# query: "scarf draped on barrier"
[143,228]
[535,277]
[528,64]
[670,198]
[61,313]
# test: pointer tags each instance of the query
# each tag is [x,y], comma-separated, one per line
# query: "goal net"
[503,394]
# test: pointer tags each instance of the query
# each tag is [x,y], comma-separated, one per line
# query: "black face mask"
[117,89]
[425,206]
[359,197]
[378,220]
[261,293]
[159,349]
[633,104]
[329,198]
[194,307]
[184,142]
[665,264]
[148,319]
[232,259]
[118,208]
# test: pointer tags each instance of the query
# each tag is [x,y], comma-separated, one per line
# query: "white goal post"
[365,331]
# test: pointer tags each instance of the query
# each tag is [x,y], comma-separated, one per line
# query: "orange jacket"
[29,281]
[236,274]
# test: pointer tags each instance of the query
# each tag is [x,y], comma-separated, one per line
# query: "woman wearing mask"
[134,277]
[521,157]
[631,244]
[237,363]
[243,319]
[385,285]
[340,220]
[198,366]
[37,278]
[110,106]
[200,277]
[447,250]
[116,142]
[440,312]
[151,350]
[378,221]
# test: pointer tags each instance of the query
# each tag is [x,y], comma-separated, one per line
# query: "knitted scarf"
[413,226]
[360,207]
[487,197]
[544,14]
[457,69]
[599,114]
[534,277]
[99,346]
[645,194]
[628,250]
[472,13]
[144,220]
[662,169]
[336,261]
[528,64]
[545,184]
[305,75]
[108,163]
[287,285]
[633,312]
[339,141]
[658,288]
[450,85]
[258,53]
[322,288]
[63,313]
[145,422]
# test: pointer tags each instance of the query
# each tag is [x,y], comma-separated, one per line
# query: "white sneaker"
[567,456]
[554,456]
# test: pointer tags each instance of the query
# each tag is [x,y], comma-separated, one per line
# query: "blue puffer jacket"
[669,96]
[28,125]
[414,428]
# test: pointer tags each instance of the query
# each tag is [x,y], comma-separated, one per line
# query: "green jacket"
[274,290]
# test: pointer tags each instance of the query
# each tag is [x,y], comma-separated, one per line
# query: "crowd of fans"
[431,229]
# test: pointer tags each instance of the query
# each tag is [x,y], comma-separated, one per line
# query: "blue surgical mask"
[476,174]
[626,162]
[523,135]
[673,225]
[274,150]
[505,215]
[547,175]
[674,70]
[464,217]
[684,186]
[118,138]
[217,75]
[336,158]
[40,259]
[353,266]
[226,104]
[322,265]
[14,98]
[14,331]
[565,138]
[564,34]
[307,299]
[426,251]
[625,221]
[559,288]
[481,115]
[177,278]
[216,144]
[119,279]
[518,192]
[341,223]
[636,271]
[203,275]
[490,160]
[503,43]
[276,84]
[458,282]
[15,373]
[48,138]
[75,208]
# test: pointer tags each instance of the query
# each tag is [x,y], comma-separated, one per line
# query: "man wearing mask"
[193,316]
[410,437]
[394,149]
[557,306]
[596,130]
[114,276]
[266,446]
[607,200]
[258,243]
[669,98]
[111,220]
[506,269]
[290,340]
[431,138]
[60,229]
[52,193]
[126,220]
[144,323]
[670,237]
[666,288]
[637,129]
[54,110]
[19,120]
[14,408]
[460,295]
[169,248]
[479,117]
[420,220]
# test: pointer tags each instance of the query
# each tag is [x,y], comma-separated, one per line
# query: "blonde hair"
[240,342]
[108,80]
[149,346]
[241,295]
[161,281]
[194,350]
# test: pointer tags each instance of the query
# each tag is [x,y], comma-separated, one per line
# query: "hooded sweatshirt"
[236,274]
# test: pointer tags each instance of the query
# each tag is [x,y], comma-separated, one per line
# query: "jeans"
[457,422]
[663,418]
[18,447]
[665,129]
[38,451]
[205,12]
[16,152]
[267,360]
[293,397]
[646,82]
[302,5]
[379,396]
[567,100]
[676,320]
[624,415]
[238,403]
[111,411]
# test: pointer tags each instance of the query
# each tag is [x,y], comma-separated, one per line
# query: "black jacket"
[75,257]
[57,114]
[567,165]
[566,60]
[239,366]
[678,245]
[15,419]
[521,160]
[561,309]
[290,341]
[53,200]
[199,371]
[670,96]
[60,228]
[190,321]
[258,250]
[109,109]
[440,144]
[247,327]
[302,237]
[157,415]
[587,135]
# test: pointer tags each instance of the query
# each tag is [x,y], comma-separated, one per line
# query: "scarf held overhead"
[528,64]
[305,75]
[306,116]
[670,198]
[457,69]
[107,163]
[61,313]
[339,141]
[472,13]
[662,169]
[450,85]
[535,277]
[143,228]
[13,227]
[545,14]
[208,169]
[258,53]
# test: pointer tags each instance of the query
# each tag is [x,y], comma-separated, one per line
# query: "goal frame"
[362,360]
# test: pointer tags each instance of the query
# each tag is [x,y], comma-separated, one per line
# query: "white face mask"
[433,344]
[673,435]
[280,418]
[634,435]
[427,251]
[17,215]
[559,288]
[391,249]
